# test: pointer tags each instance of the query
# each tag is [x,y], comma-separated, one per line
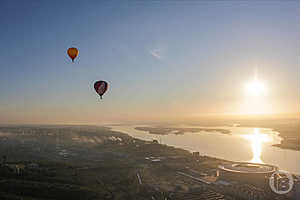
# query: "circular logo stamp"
[281,182]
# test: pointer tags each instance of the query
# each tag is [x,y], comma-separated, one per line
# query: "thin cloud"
[156,53]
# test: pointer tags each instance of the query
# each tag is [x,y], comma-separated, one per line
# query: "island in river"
[179,131]
[287,127]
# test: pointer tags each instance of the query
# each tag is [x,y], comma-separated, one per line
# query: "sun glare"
[257,139]
[255,88]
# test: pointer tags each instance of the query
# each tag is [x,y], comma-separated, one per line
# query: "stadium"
[244,172]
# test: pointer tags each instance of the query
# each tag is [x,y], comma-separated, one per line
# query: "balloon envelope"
[100,87]
[73,53]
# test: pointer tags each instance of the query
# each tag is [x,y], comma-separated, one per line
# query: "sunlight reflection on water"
[243,144]
[257,139]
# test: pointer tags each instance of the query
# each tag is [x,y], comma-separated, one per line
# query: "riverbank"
[235,146]
[288,129]
[291,138]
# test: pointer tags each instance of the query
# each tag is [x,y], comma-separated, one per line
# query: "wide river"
[243,144]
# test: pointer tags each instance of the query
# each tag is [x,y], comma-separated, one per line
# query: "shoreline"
[290,135]
[130,131]
[211,158]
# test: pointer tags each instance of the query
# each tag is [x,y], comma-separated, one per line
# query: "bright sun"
[255,88]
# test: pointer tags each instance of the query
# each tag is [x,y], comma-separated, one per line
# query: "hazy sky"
[162,60]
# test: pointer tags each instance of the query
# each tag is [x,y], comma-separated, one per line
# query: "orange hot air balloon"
[73,53]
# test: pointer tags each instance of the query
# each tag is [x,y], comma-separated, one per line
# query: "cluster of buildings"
[252,181]
[17,168]
[248,181]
